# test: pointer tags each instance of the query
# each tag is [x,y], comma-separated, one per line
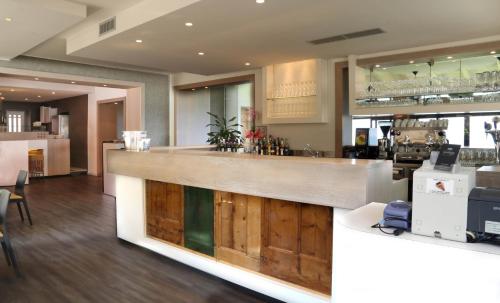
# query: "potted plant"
[227,135]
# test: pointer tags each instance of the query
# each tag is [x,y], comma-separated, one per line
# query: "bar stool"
[8,251]
[19,197]
[35,163]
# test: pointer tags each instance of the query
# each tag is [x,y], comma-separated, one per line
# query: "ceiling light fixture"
[37,79]
[138,41]
[493,52]
[206,86]
[384,68]
[8,19]
[104,85]
[188,24]
[12,90]
[73,82]
[53,93]
[26,99]
[248,64]
[260,1]
[201,53]
[39,96]
[411,62]
[3,98]
[378,65]
[193,89]
[116,103]
[449,57]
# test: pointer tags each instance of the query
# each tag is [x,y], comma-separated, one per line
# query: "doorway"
[110,125]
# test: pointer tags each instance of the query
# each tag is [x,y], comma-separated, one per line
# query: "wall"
[321,136]
[77,107]
[31,111]
[155,94]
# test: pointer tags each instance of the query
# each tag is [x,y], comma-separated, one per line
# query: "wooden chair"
[8,251]
[19,197]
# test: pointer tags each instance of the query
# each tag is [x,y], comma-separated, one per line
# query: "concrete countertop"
[345,183]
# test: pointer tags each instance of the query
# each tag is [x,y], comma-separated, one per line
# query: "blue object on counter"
[397,214]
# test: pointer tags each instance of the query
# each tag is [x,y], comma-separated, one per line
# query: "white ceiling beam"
[129,18]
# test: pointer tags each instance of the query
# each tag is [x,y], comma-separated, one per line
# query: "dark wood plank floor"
[71,254]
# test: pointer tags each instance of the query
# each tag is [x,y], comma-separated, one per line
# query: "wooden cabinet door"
[199,219]
[165,211]
[297,243]
[238,229]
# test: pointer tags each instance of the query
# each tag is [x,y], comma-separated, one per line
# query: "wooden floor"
[71,254]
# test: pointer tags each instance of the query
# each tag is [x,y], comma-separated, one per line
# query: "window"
[15,121]
[478,138]
[455,131]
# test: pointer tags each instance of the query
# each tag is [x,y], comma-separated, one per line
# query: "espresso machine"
[384,144]
[366,143]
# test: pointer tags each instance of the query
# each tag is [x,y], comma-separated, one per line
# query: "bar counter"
[268,220]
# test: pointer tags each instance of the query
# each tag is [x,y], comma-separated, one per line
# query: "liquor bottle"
[264,147]
[269,145]
[282,147]
[286,150]
[277,146]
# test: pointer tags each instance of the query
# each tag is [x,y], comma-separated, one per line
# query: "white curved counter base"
[369,266]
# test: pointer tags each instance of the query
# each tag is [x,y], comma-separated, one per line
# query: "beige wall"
[321,136]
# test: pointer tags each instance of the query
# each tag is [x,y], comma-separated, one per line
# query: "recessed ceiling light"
[53,93]
[116,103]
[104,85]
[378,65]
[26,99]
[493,52]
[260,1]
[188,24]
[411,62]
[384,68]
[201,53]
[73,82]
[449,57]
[206,86]
[193,89]
[12,90]
[138,41]
[39,96]
[8,19]
[3,98]
[248,64]
[37,79]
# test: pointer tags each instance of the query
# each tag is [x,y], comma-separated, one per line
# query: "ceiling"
[27,23]
[34,95]
[231,33]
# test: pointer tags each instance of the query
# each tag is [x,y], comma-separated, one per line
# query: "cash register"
[441,195]
[483,214]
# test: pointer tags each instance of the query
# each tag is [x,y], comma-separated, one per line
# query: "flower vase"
[248,145]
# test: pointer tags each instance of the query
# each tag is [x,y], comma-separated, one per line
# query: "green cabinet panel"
[199,219]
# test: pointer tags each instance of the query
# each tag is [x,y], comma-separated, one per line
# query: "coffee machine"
[384,144]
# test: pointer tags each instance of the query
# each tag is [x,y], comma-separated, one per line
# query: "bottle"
[269,145]
[282,147]
[286,150]
[264,147]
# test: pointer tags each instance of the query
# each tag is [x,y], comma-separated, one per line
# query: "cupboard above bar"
[345,183]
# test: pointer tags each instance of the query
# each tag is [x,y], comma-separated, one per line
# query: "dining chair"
[19,197]
[8,251]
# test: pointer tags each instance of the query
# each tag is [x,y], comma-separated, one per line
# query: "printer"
[440,199]
[483,213]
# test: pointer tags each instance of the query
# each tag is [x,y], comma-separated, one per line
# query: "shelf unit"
[296,92]
[442,98]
